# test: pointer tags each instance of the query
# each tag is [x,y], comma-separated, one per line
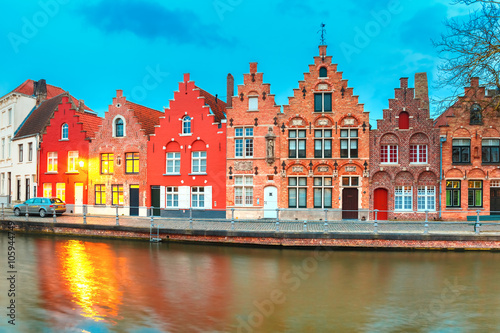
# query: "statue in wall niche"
[270,137]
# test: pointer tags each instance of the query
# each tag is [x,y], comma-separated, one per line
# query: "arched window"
[186,125]
[404,120]
[323,72]
[64,132]
[119,128]
[475,115]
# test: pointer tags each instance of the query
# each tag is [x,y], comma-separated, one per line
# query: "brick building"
[253,135]
[404,156]
[470,135]
[63,149]
[118,158]
[325,146]
[187,154]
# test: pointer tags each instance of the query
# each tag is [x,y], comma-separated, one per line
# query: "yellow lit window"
[100,194]
[47,190]
[61,191]
[107,163]
[52,161]
[72,161]
[132,162]
[117,192]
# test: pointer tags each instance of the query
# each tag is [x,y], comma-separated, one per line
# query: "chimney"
[403,82]
[322,50]
[230,90]
[81,105]
[253,67]
[474,82]
[40,91]
[119,93]
[422,89]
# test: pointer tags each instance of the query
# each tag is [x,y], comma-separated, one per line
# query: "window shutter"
[184,197]
[208,197]
[162,196]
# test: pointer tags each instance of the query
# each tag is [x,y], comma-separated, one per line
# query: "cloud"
[425,25]
[151,21]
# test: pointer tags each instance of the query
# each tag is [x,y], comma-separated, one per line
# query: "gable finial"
[323,33]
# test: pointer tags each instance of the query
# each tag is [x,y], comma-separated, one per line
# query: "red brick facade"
[64,148]
[404,157]
[189,153]
[471,168]
[118,158]
[253,164]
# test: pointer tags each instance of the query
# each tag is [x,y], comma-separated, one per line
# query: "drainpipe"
[441,140]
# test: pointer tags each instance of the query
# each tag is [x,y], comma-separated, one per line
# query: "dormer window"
[475,115]
[186,125]
[119,128]
[64,132]
[323,72]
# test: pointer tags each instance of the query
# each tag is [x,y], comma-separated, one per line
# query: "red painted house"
[118,158]
[63,151]
[187,155]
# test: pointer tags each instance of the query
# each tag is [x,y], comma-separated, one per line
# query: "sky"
[92,48]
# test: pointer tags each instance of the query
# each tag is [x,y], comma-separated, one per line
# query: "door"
[350,204]
[27,188]
[78,198]
[270,202]
[495,200]
[380,202]
[155,200]
[134,200]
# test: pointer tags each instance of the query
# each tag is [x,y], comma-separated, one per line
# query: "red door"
[404,120]
[380,202]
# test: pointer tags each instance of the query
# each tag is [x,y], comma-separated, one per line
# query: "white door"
[270,202]
[78,198]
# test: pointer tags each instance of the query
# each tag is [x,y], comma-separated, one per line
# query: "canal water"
[83,285]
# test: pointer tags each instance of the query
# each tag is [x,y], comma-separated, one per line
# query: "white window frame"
[187,127]
[172,197]
[403,193]
[52,161]
[9,147]
[72,161]
[350,140]
[199,162]
[417,147]
[172,158]
[243,140]
[61,191]
[298,184]
[124,126]
[30,151]
[47,190]
[389,148]
[198,197]
[65,136]
[426,198]
[322,137]
[243,185]
[21,152]
[323,185]
[253,103]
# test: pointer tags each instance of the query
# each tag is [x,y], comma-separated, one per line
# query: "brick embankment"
[224,235]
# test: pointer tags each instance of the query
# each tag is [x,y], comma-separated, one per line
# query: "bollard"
[477,226]
[152,219]
[277,214]
[277,225]
[426,225]
[27,208]
[305,225]
[190,215]
[376,213]
[84,214]
[426,216]
[3,216]
[232,218]
[54,214]
[375,226]
[117,218]
[326,220]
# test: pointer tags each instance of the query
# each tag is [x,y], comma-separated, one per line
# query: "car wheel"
[17,212]
[42,213]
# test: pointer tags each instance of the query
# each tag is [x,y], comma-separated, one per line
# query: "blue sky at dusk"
[91,48]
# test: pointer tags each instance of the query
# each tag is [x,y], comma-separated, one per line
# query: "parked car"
[41,206]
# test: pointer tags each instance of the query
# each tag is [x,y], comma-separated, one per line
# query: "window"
[9,117]
[100,194]
[30,151]
[198,197]
[452,193]
[173,163]
[475,115]
[9,154]
[297,192]
[61,191]
[404,120]
[253,103]
[119,128]
[52,161]
[131,162]
[323,102]
[388,154]
[322,143]
[186,125]
[243,144]
[475,193]
[199,162]
[243,190]
[491,151]
[117,195]
[323,72]
[107,163]
[47,190]
[403,198]
[323,192]
[64,132]
[350,181]
[418,154]
[349,143]
[461,151]
[21,152]
[72,161]
[3,148]
[297,143]
[426,198]
[172,196]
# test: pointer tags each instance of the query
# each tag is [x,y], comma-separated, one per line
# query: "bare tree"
[471,48]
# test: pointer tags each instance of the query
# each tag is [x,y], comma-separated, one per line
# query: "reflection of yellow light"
[90,278]
[81,164]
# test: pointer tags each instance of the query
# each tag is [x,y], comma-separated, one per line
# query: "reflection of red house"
[65,134]
[187,154]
